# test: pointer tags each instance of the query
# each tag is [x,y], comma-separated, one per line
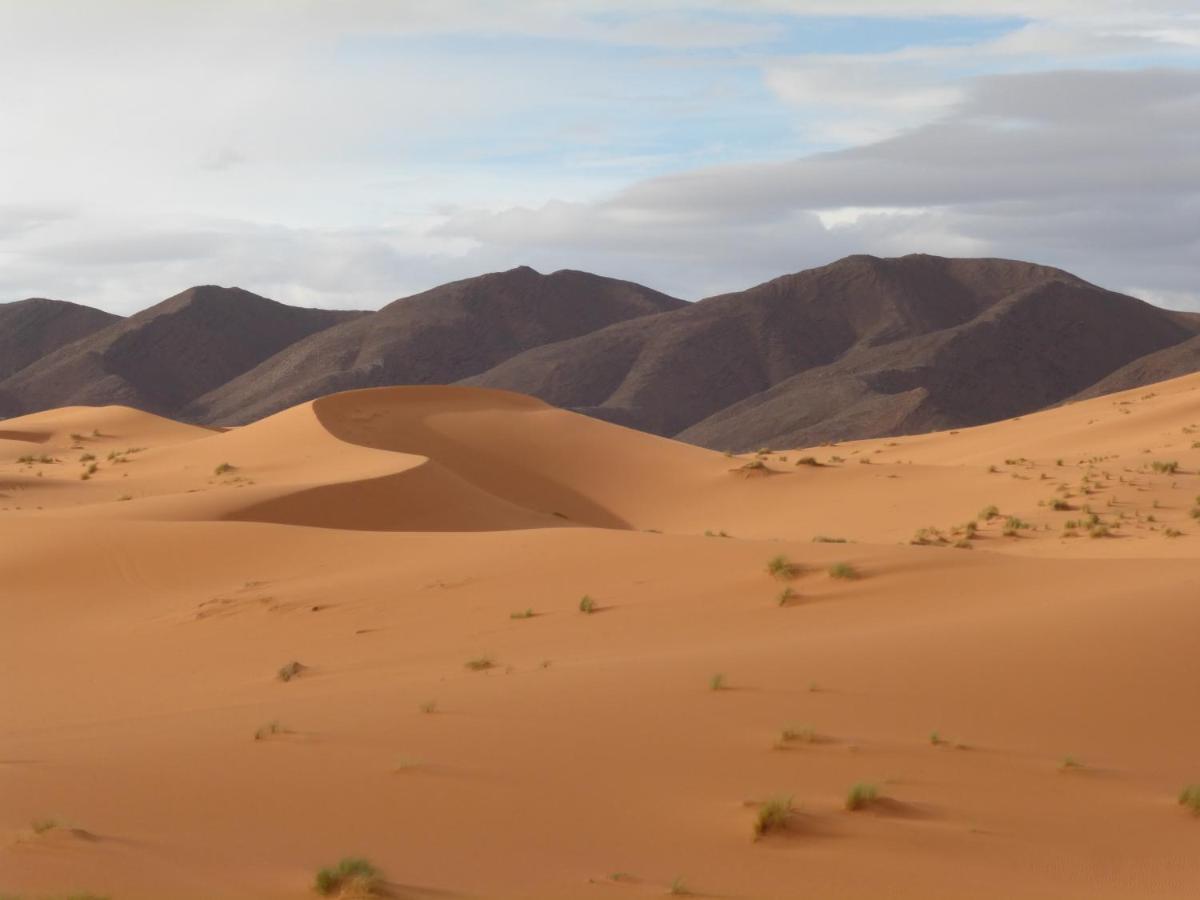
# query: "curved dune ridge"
[760,633]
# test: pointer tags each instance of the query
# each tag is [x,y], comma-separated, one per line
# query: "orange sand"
[384,538]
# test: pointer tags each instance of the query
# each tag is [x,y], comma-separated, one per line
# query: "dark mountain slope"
[1030,350]
[167,355]
[668,372]
[30,329]
[436,337]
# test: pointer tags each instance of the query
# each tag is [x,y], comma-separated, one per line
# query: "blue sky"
[345,154]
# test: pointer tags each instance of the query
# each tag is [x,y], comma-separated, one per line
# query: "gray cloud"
[1095,171]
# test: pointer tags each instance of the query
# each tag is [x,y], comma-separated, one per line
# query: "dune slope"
[1015,692]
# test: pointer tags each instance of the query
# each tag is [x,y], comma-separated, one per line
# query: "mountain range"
[862,347]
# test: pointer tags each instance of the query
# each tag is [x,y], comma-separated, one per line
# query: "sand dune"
[385,539]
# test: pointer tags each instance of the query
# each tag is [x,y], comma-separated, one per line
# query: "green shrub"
[351,874]
[780,567]
[844,571]
[290,671]
[587,605]
[773,815]
[716,682]
[1189,797]
[861,796]
[786,596]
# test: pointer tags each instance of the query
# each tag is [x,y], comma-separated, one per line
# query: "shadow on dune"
[485,441]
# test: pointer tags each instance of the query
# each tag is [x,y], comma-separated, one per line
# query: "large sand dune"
[385,538]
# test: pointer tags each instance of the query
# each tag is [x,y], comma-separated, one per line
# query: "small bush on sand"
[988,513]
[844,571]
[266,731]
[223,469]
[290,671]
[41,826]
[793,734]
[1165,467]
[823,539]
[1069,763]
[1189,798]
[587,605]
[716,682]
[351,876]
[677,887]
[861,796]
[807,461]
[786,596]
[522,614]
[773,815]
[480,663]
[429,707]
[780,567]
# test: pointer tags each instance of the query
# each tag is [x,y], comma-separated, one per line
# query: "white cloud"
[337,153]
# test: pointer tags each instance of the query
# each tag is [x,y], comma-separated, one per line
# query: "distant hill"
[436,337]
[862,347]
[30,329]
[167,355]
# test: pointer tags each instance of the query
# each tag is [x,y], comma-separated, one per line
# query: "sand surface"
[386,538]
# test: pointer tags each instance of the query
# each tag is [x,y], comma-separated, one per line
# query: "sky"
[344,153]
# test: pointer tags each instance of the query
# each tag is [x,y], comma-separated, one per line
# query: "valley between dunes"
[1022,703]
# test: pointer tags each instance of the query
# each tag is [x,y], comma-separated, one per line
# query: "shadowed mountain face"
[859,348]
[30,329]
[165,356]
[436,337]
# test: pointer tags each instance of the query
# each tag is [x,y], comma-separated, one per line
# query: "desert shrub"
[1189,797]
[1059,505]
[928,535]
[41,826]
[223,468]
[290,671]
[429,707]
[267,730]
[351,874]
[1165,467]
[793,734]
[861,795]
[480,663]
[677,887]
[1070,762]
[988,513]
[773,815]
[807,461]
[587,605]
[822,539]
[521,614]
[716,682]
[1173,533]
[780,567]
[844,571]
[786,596]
